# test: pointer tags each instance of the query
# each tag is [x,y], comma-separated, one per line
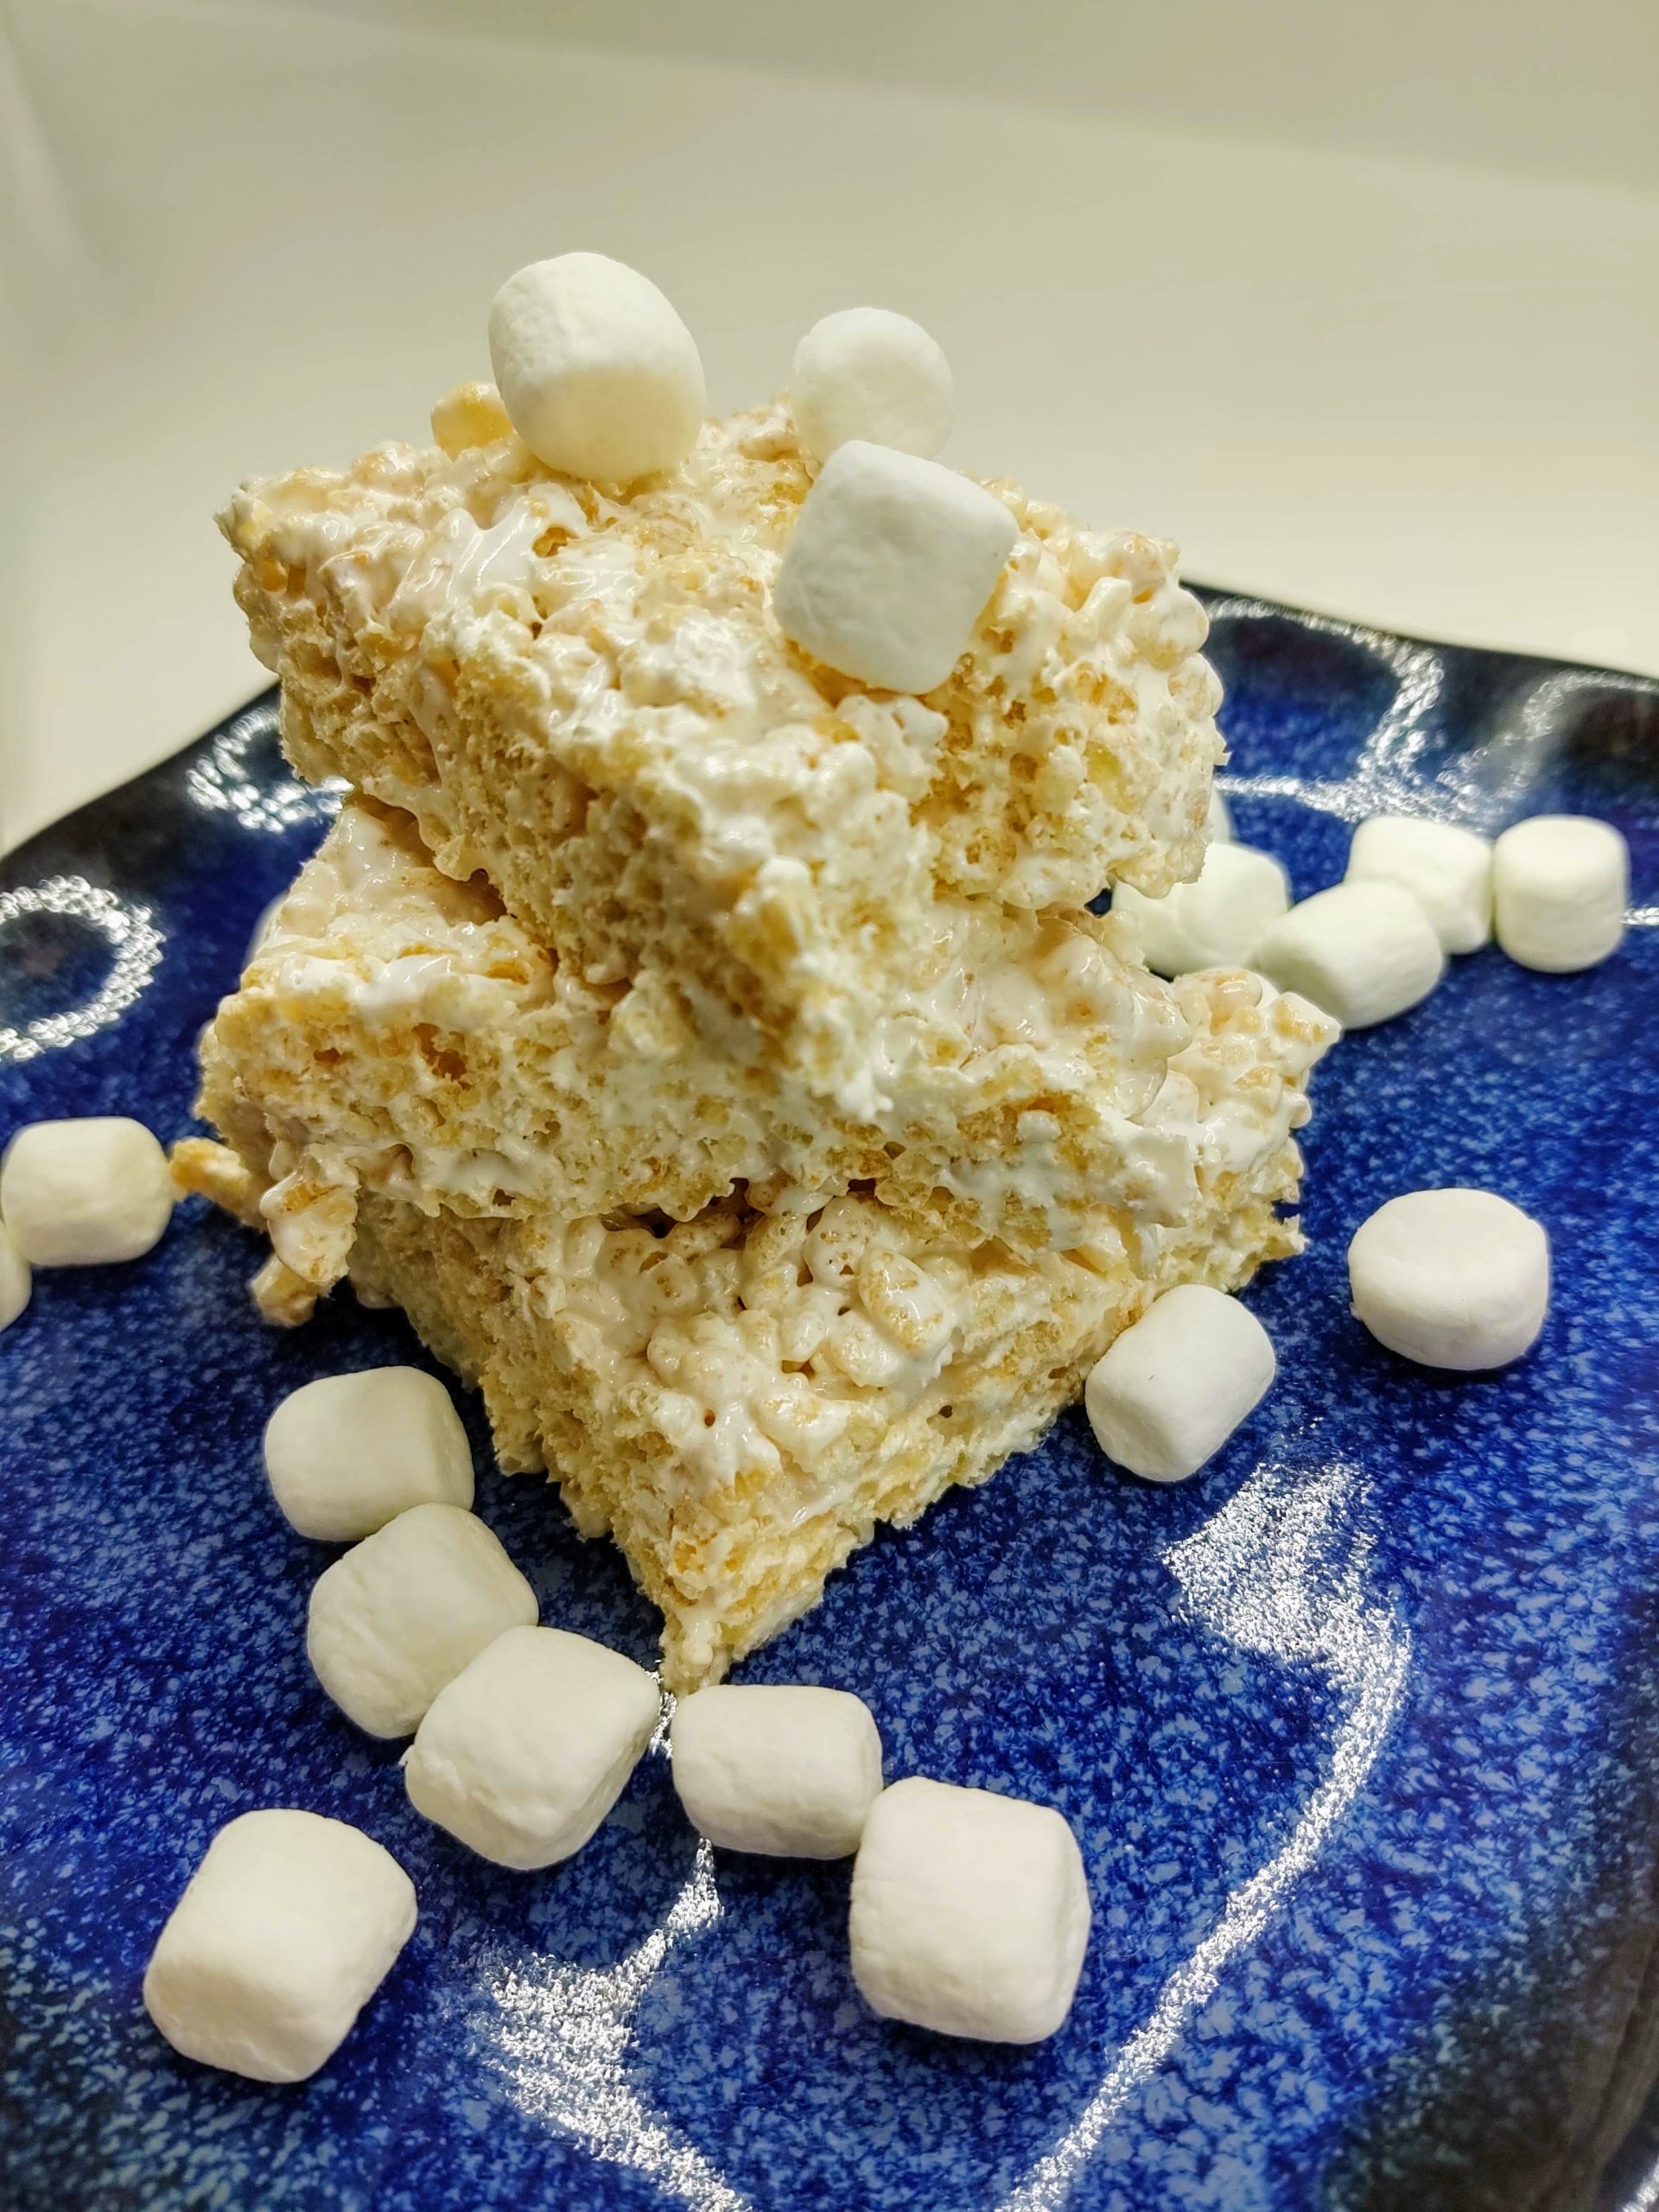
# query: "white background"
[1361,305]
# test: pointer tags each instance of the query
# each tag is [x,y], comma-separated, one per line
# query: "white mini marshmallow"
[865,373]
[784,1769]
[284,1932]
[970,1914]
[347,1453]
[404,1611]
[525,1752]
[15,1279]
[599,376]
[1214,921]
[1561,881]
[891,563]
[1447,869]
[1218,823]
[1362,951]
[78,1193]
[1456,1279]
[1168,1393]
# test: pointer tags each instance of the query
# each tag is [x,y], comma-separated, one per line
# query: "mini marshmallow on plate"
[891,563]
[598,375]
[787,1770]
[865,373]
[84,1192]
[970,1912]
[1453,1279]
[1560,884]
[404,1611]
[1447,869]
[1214,921]
[525,1752]
[1167,1394]
[284,1933]
[15,1279]
[1362,952]
[347,1453]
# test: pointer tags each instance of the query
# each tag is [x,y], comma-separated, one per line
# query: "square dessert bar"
[587,696]
[739,1399]
[399,1034]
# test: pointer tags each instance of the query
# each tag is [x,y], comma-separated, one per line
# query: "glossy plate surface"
[1357,1730]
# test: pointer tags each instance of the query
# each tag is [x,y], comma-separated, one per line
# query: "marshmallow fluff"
[284,1932]
[1212,923]
[525,1752]
[786,1769]
[597,373]
[1219,824]
[404,1611]
[1455,1279]
[865,373]
[1561,883]
[15,1279]
[970,1914]
[1362,952]
[891,560]
[1167,1393]
[346,1453]
[1447,869]
[84,1192]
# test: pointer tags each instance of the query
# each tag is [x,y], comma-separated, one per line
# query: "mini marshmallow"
[1448,870]
[284,1932]
[1455,1279]
[865,373]
[1213,923]
[786,1770]
[347,1453]
[525,1752]
[891,563]
[80,1193]
[1560,882]
[1364,952]
[1169,1392]
[15,1279]
[1218,823]
[469,414]
[406,1609]
[970,1914]
[597,373]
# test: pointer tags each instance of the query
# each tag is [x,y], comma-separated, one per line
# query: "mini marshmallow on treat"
[786,1769]
[1454,1279]
[1560,884]
[1362,952]
[525,1752]
[865,373]
[1167,1393]
[891,563]
[284,1933]
[15,1279]
[404,1611]
[1214,921]
[970,1914]
[597,373]
[347,1453]
[1448,870]
[85,1192]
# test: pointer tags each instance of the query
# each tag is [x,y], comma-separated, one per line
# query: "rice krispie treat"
[398,1033]
[583,691]
[739,1399]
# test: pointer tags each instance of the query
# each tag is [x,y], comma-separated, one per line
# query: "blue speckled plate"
[1357,1730]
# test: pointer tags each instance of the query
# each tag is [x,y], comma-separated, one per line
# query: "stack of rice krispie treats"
[716,1056]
